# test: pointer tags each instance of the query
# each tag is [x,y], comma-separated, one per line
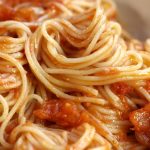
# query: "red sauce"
[3,30]
[7,11]
[124,113]
[35,2]
[147,87]
[16,93]
[121,88]
[11,126]
[24,14]
[87,104]
[33,28]
[121,136]
[14,3]
[141,120]
[62,112]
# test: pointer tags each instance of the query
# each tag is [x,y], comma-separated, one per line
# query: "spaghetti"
[71,78]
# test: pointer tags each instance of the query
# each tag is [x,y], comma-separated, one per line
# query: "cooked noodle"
[69,77]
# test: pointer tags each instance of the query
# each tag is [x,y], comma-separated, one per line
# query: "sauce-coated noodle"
[71,78]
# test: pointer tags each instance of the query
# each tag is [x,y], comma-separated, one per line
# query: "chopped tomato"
[25,14]
[61,112]
[121,88]
[141,120]
[6,12]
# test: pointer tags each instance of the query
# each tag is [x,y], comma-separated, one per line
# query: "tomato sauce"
[8,11]
[141,121]
[11,126]
[3,30]
[24,14]
[121,88]
[147,87]
[16,2]
[62,112]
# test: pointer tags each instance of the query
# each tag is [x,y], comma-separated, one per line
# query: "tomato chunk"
[121,88]
[61,112]
[141,120]
[6,12]
[25,14]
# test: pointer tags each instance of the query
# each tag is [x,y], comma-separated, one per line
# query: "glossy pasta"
[70,59]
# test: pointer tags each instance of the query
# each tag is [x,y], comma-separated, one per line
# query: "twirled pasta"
[69,77]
